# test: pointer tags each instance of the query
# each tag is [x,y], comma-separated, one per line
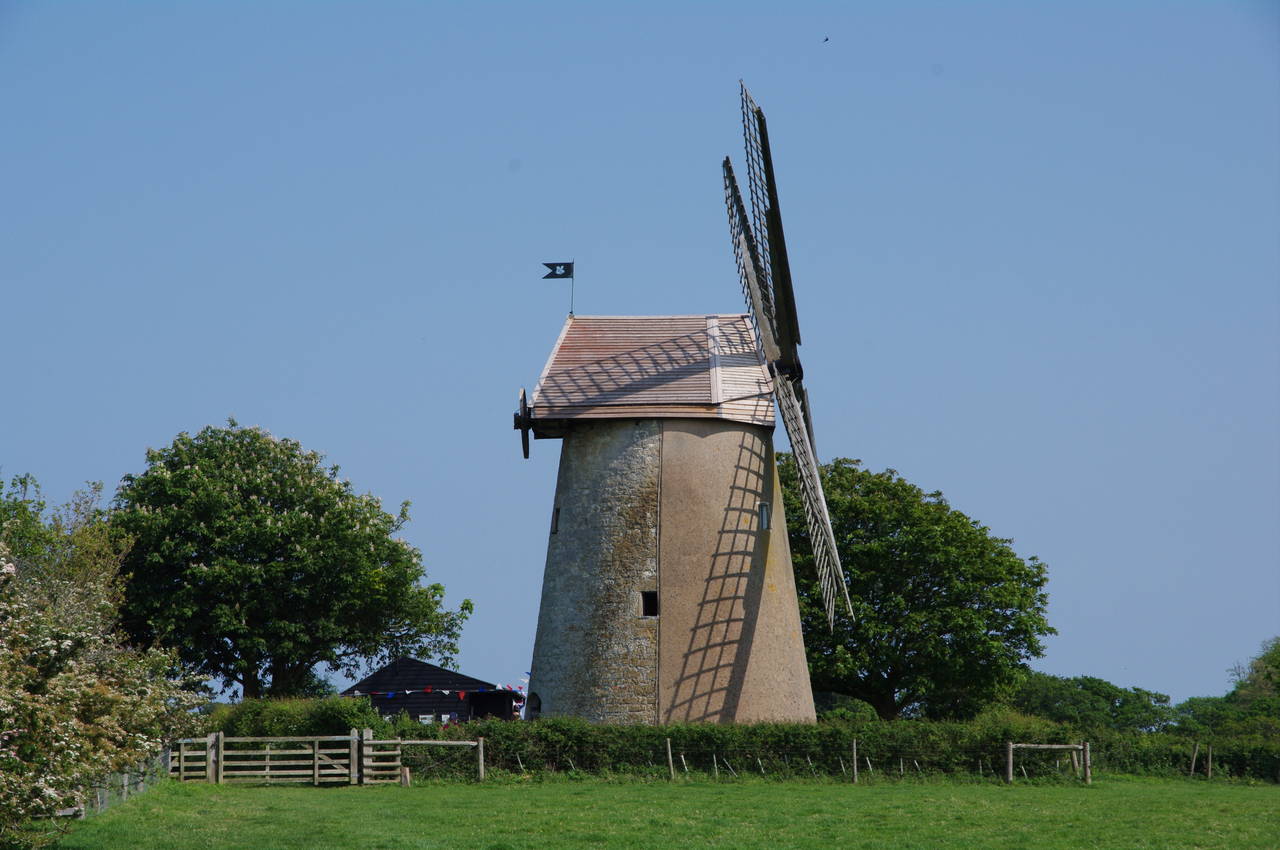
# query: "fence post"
[480,756]
[353,758]
[1209,772]
[366,754]
[855,761]
[315,762]
[221,752]
[1088,765]
[671,765]
[1008,762]
[1194,753]
[210,753]
[182,761]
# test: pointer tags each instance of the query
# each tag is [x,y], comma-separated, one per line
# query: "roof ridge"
[660,316]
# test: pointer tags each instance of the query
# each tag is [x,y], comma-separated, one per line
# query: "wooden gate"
[354,759]
[317,760]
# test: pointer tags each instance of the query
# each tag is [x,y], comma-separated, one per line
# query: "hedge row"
[975,747]
[906,746]
[287,717]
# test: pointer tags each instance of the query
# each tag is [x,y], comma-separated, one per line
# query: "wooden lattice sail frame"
[760,250]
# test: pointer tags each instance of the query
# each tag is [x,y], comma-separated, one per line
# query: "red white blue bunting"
[462,693]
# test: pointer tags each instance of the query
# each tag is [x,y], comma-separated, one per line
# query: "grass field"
[1112,813]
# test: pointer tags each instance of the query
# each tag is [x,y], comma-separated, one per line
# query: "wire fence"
[115,788]
[854,764]
[852,761]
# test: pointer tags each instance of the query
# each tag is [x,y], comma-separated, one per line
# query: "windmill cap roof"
[693,366]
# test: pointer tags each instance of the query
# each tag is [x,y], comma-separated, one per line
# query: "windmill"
[668,593]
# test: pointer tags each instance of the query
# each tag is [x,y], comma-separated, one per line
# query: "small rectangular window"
[648,603]
[765,516]
[555,520]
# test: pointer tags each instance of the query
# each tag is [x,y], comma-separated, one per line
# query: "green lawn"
[1112,813]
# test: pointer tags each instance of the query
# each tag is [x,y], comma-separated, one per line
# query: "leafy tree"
[22,520]
[75,704]
[1087,702]
[1252,707]
[1259,679]
[257,564]
[946,614]
[1206,716]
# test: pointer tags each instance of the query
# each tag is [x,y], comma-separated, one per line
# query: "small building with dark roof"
[432,694]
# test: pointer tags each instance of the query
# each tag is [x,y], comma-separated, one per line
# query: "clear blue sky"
[1035,249]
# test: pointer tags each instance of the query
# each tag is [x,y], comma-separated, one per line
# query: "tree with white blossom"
[75,703]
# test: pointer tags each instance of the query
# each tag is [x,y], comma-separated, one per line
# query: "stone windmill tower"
[668,594]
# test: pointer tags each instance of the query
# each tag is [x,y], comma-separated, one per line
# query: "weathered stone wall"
[595,656]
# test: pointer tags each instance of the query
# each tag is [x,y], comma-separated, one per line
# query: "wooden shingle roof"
[626,367]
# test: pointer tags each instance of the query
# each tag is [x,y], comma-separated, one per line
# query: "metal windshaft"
[764,271]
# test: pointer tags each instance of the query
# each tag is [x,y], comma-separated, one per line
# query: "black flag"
[558,270]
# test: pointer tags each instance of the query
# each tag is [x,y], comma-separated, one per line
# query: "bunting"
[514,690]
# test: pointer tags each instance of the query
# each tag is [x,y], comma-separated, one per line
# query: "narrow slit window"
[555,520]
[766,511]
[648,603]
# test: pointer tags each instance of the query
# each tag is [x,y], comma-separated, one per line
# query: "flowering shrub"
[75,705]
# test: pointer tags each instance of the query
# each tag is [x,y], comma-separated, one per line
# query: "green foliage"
[257,564]
[970,748]
[1252,708]
[562,745]
[26,523]
[75,704]
[63,553]
[332,715]
[1260,678]
[1201,716]
[945,613]
[1090,703]
[831,707]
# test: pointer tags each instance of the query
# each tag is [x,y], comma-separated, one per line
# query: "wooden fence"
[353,759]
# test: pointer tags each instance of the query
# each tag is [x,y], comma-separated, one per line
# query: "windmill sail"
[750,270]
[764,271]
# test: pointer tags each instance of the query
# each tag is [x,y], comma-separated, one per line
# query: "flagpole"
[571,284]
[560,271]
